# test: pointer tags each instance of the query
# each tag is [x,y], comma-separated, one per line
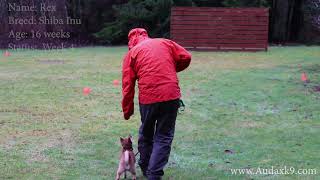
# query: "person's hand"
[127,115]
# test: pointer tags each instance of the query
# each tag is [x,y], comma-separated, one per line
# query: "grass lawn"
[243,110]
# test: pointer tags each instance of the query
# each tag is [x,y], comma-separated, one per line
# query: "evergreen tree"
[246,3]
[153,15]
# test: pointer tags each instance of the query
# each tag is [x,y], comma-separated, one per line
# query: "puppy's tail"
[126,159]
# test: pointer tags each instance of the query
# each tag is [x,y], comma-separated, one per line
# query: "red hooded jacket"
[154,63]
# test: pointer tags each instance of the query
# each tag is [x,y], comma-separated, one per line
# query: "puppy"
[127,159]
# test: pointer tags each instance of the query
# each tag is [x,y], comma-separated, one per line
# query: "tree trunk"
[290,17]
[287,22]
[280,20]
[310,31]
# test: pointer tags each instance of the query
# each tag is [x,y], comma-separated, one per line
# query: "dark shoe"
[144,172]
[154,178]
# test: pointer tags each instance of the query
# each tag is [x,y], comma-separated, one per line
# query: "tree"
[91,13]
[153,15]
[295,20]
[310,29]
[312,11]
[246,3]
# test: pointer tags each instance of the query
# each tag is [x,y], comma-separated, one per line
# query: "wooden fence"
[203,28]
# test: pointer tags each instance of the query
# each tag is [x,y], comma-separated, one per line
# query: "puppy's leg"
[132,165]
[134,176]
[133,172]
[119,172]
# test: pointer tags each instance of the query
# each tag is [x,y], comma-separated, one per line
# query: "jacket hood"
[136,36]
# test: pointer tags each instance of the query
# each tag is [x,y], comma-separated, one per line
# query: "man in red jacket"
[154,63]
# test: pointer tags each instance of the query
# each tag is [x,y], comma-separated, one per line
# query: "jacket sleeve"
[128,85]
[181,56]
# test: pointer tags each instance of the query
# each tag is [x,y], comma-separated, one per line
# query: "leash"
[181,106]
[136,154]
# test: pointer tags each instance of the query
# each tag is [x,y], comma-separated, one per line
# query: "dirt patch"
[228,151]
[62,140]
[248,124]
[314,68]
[59,78]
[9,74]
[231,62]
[316,88]
[54,61]
[19,110]
[26,111]
[37,141]
[41,140]
[13,138]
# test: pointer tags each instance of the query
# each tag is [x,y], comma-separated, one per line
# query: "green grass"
[253,104]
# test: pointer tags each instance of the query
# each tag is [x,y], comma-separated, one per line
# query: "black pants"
[155,136]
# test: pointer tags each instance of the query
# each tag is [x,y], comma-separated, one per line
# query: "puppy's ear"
[130,138]
[121,139]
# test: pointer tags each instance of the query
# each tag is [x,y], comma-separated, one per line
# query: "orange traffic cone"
[116,82]
[86,91]
[7,54]
[304,77]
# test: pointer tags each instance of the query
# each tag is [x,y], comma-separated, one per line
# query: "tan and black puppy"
[127,158]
